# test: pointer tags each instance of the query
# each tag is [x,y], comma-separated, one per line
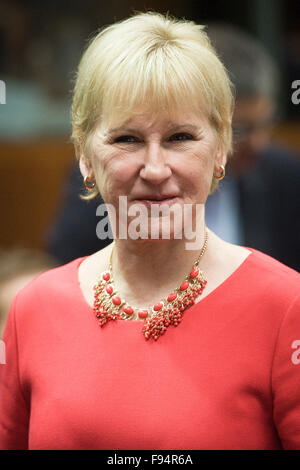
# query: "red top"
[228,377]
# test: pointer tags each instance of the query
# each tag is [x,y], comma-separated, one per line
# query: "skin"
[157,158]
[154,153]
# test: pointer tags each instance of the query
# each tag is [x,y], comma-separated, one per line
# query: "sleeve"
[286,379]
[14,413]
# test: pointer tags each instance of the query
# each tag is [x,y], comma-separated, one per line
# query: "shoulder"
[271,277]
[254,267]
[267,263]
[49,287]
[262,290]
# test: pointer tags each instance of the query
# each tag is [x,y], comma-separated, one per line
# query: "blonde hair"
[152,62]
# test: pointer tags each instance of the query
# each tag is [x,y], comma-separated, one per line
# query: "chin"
[159,231]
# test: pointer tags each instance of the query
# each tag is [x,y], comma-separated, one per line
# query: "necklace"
[158,317]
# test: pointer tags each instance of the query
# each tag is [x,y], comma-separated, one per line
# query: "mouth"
[157,200]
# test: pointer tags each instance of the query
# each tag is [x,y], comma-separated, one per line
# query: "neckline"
[206,299]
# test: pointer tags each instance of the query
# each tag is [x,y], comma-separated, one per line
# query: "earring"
[88,183]
[221,175]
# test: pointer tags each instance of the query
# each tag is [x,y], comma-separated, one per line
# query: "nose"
[155,169]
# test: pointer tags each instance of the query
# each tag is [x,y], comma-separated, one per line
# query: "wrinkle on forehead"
[147,114]
[163,121]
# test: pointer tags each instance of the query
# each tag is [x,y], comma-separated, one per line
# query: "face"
[150,161]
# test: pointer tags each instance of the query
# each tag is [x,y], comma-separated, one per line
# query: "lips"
[150,200]
[152,197]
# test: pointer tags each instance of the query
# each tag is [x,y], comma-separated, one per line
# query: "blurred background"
[40,46]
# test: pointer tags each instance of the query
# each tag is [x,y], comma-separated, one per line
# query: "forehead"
[160,122]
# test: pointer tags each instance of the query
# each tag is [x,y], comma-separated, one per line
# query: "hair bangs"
[151,87]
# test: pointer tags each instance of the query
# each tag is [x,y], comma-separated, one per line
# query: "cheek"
[198,167]
[114,173]
[201,162]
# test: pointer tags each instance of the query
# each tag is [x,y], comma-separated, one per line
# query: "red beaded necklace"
[157,318]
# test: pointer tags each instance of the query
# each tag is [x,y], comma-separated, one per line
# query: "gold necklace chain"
[195,265]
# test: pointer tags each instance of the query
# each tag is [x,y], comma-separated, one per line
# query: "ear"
[220,158]
[85,167]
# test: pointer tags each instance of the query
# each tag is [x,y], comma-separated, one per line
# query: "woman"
[181,341]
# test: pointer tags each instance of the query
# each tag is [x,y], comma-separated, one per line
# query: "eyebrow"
[174,127]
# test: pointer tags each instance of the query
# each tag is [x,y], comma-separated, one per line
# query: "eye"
[125,138]
[181,137]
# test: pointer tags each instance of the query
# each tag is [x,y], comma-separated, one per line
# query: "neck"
[147,270]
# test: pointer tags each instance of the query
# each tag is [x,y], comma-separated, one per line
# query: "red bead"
[158,306]
[165,315]
[128,310]
[171,297]
[194,273]
[184,285]
[106,276]
[143,313]
[116,300]
[109,289]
